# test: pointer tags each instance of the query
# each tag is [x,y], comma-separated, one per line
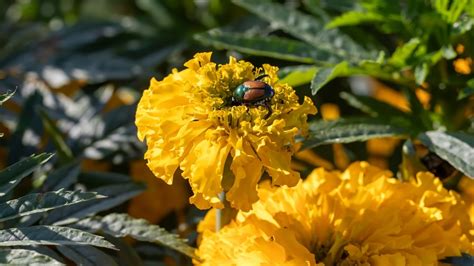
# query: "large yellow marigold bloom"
[188,122]
[359,217]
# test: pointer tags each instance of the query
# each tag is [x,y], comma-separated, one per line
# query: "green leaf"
[456,148]
[403,53]
[450,12]
[349,130]
[25,257]
[64,153]
[157,12]
[115,138]
[421,72]
[62,177]
[270,46]
[326,74]
[372,106]
[39,203]
[25,138]
[86,256]
[4,97]
[353,18]
[468,91]
[12,175]
[116,195]
[448,52]
[306,28]
[294,22]
[297,75]
[315,8]
[420,116]
[121,225]
[50,235]
[463,260]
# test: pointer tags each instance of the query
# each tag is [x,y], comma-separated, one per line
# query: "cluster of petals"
[190,124]
[362,216]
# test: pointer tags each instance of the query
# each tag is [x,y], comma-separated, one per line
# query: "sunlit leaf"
[305,27]
[120,225]
[62,177]
[349,130]
[325,74]
[352,18]
[402,53]
[43,202]
[421,72]
[50,235]
[27,135]
[297,75]
[121,140]
[86,256]
[456,148]
[269,46]
[12,175]
[4,97]
[116,195]
[64,153]
[20,256]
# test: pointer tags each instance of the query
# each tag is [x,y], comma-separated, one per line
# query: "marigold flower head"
[189,123]
[359,217]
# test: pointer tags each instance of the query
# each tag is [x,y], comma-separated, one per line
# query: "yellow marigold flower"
[359,217]
[188,122]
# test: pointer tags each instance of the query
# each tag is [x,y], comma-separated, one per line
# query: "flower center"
[331,252]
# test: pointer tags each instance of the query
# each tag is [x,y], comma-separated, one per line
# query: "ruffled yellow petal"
[277,163]
[247,170]
[197,168]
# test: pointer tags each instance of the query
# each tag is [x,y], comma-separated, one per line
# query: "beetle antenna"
[261,77]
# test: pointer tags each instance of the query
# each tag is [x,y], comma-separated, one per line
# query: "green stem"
[219,213]
[224,215]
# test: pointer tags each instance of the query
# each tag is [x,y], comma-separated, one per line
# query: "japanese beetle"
[253,93]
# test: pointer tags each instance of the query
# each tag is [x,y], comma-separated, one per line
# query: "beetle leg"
[265,103]
[269,109]
[261,77]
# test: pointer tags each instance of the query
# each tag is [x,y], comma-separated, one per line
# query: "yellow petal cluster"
[189,123]
[361,216]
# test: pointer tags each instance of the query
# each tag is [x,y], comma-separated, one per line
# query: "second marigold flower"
[190,122]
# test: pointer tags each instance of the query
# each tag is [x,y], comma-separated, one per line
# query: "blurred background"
[78,69]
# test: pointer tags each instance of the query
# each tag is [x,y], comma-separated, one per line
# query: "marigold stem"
[224,215]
